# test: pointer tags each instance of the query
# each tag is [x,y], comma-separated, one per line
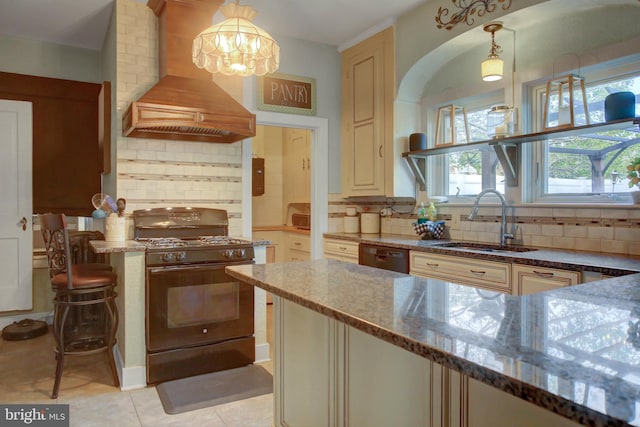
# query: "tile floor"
[28,368]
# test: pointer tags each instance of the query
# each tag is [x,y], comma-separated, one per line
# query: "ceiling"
[83,23]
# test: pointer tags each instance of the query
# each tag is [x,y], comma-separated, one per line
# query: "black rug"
[202,391]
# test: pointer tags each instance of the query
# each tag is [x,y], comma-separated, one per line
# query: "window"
[471,171]
[593,165]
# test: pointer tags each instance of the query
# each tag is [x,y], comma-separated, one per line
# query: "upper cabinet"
[368,93]
[67,157]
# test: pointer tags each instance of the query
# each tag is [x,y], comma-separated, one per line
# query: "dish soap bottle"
[422,214]
[432,212]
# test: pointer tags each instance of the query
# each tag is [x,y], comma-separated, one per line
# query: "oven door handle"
[195,267]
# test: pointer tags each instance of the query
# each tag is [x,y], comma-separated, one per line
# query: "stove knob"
[228,253]
[167,257]
[239,253]
[182,256]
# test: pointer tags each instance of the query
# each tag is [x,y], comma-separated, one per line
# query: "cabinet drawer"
[341,248]
[298,242]
[463,270]
[530,280]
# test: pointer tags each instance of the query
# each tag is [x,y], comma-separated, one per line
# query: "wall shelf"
[508,149]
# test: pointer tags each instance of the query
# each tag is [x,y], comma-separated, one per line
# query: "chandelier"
[236,46]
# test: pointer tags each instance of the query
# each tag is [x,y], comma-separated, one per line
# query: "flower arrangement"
[633,172]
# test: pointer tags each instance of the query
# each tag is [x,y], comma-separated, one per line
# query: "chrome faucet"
[503,219]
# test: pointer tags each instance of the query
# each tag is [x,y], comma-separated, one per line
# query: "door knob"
[23,222]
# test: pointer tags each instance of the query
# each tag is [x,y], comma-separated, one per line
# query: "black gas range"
[198,318]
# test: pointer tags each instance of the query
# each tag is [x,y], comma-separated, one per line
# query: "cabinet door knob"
[23,223]
[380,151]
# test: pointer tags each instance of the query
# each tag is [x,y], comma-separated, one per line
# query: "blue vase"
[619,106]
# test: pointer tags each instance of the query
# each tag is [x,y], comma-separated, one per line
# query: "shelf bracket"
[417,166]
[508,155]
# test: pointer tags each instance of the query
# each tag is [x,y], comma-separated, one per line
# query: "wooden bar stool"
[77,287]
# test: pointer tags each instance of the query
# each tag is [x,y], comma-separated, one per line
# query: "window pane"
[595,163]
[474,170]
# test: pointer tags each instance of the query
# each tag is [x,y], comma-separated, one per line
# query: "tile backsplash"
[607,229]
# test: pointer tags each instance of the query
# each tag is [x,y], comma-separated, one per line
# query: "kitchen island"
[356,345]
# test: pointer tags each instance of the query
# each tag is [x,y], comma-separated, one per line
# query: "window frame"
[536,156]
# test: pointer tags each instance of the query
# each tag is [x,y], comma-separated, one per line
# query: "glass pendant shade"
[492,69]
[236,46]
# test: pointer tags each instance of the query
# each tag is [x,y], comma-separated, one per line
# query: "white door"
[16,241]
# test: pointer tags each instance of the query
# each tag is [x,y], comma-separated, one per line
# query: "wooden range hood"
[186,104]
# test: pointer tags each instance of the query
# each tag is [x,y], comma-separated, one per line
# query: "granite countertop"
[612,265]
[574,351]
[287,228]
[105,247]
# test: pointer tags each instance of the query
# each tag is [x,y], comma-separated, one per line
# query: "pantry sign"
[284,93]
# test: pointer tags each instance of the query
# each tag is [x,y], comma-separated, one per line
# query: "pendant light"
[492,67]
[236,46]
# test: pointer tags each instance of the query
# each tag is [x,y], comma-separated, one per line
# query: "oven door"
[191,305]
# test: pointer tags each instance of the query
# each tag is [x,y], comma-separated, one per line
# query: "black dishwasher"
[393,259]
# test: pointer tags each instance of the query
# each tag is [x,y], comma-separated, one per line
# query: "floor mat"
[202,391]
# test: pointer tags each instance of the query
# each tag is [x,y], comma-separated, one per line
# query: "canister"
[370,223]
[351,224]
[115,228]
[619,106]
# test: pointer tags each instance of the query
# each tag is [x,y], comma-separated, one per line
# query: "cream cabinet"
[491,275]
[303,366]
[341,250]
[297,171]
[530,280]
[331,374]
[298,247]
[368,94]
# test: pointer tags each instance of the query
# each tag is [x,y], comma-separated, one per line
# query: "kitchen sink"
[485,247]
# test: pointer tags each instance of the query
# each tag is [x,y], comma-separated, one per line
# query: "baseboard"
[8,320]
[262,353]
[130,378]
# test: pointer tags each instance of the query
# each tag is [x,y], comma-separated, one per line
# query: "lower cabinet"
[341,250]
[329,374]
[298,247]
[276,248]
[467,271]
[516,279]
[303,370]
[530,280]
